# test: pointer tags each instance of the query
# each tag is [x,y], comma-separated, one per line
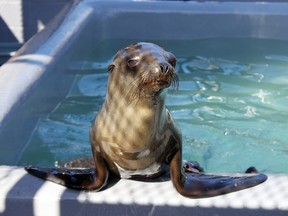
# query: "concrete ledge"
[22,194]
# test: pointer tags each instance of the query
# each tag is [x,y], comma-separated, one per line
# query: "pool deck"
[22,194]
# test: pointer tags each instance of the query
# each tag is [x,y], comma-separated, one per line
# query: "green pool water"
[232,105]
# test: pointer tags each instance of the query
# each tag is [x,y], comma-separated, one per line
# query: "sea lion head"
[142,70]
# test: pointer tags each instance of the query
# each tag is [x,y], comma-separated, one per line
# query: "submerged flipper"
[80,179]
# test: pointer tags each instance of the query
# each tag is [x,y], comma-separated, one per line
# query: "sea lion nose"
[164,67]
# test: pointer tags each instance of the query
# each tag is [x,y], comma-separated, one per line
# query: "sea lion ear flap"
[111,67]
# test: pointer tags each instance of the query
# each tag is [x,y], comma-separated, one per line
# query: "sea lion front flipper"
[72,178]
[80,179]
[203,185]
[199,185]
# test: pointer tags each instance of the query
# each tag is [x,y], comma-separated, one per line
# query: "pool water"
[231,105]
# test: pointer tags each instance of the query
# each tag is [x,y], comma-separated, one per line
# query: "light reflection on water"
[233,113]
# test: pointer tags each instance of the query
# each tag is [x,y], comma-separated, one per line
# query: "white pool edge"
[23,194]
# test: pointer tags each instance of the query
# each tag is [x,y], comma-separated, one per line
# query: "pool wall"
[40,72]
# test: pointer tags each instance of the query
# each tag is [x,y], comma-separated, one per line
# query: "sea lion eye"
[132,62]
[111,67]
[173,62]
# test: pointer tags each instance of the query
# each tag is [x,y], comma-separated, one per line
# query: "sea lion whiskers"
[133,91]
[136,86]
[175,81]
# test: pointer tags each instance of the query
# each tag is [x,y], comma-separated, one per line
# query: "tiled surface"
[29,194]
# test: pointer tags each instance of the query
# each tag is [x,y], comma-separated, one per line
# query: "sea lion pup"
[134,135]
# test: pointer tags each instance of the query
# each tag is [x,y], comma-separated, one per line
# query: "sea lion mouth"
[162,82]
[158,83]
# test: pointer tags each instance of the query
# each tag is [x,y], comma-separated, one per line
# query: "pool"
[51,63]
[231,92]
